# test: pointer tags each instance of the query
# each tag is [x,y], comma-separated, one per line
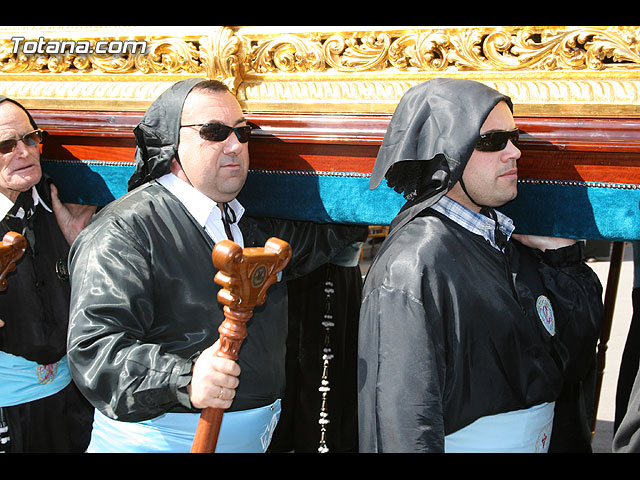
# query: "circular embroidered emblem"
[545,312]
[259,276]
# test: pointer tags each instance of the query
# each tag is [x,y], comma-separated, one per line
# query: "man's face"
[20,169]
[491,178]
[217,169]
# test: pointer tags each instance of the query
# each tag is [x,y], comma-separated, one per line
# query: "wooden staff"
[11,250]
[245,275]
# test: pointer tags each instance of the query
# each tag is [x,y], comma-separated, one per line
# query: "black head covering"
[432,133]
[158,133]
[31,120]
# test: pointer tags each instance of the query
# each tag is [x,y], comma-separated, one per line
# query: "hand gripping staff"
[11,250]
[245,275]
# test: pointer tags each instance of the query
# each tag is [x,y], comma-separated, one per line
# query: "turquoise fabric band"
[23,381]
[596,211]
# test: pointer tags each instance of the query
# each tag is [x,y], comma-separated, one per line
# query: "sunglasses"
[29,139]
[217,132]
[497,141]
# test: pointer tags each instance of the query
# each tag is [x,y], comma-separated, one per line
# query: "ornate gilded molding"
[547,70]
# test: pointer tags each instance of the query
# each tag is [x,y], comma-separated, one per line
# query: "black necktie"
[228,217]
[23,224]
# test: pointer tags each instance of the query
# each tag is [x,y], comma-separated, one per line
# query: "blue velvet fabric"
[577,210]
[90,182]
[565,209]
[327,197]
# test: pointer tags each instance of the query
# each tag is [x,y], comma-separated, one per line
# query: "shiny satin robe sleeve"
[115,367]
[313,244]
[402,380]
[402,364]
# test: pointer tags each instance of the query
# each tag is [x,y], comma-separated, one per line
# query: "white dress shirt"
[5,205]
[203,209]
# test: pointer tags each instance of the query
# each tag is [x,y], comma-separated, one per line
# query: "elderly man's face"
[216,168]
[491,178]
[19,169]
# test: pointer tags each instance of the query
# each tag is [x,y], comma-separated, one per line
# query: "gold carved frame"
[547,70]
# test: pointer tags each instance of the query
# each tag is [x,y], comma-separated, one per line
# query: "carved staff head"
[246,274]
[11,250]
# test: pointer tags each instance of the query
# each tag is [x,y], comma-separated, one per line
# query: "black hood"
[438,117]
[436,122]
[31,120]
[158,133]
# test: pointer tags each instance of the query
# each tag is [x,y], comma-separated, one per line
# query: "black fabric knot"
[499,237]
[24,201]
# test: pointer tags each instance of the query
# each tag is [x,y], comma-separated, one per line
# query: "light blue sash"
[520,431]
[247,431]
[23,381]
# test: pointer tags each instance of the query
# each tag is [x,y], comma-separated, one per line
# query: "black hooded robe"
[144,303]
[449,329]
[35,309]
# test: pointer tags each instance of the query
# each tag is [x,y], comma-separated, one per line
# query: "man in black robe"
[41,410]
[467,335]
[144,315]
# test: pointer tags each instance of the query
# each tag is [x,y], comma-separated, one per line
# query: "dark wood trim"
[87,123]
[573,149]
[593,134]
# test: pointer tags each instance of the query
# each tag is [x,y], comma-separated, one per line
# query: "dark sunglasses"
[29,139]
[217,132]
[497,141]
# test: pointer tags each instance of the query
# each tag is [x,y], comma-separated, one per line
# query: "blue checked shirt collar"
[473,221]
